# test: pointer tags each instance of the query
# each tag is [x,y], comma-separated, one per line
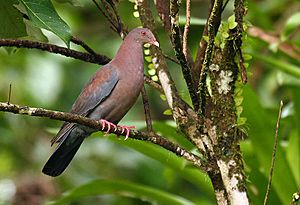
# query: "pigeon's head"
[143,35]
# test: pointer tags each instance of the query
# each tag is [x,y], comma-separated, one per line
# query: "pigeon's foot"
[127,129]
[109,125]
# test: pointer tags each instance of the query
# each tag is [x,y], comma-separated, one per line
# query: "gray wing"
[96,91]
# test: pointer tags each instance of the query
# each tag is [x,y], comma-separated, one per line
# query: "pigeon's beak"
[155,43]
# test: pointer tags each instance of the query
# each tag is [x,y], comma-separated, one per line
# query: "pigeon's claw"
[107,124]
[127,129]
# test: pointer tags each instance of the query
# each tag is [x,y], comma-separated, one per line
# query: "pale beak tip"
[156,43]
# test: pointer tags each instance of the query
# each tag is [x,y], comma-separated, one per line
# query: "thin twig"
[273,154]
[239,12]
[83,45]
[153,84]
[213,25]
[9,94]
[171,59]
[87,57]
[186,28]
[241,65]
[224,5]
[97,125]
[112,11]
[113,26]
[147,110]
[289,49]
[177,45]
[201,50]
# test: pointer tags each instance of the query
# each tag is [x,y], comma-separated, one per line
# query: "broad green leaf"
[32,31]
[261,132]
[12,25]
[293,149]
[291,25]
[280,65]
[43,15]
[168,129]
[35,32]
[169,159]
[123,188]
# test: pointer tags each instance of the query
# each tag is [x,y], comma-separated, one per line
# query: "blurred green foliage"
[40,79]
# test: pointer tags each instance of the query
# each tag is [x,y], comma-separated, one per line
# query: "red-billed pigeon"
[108,96]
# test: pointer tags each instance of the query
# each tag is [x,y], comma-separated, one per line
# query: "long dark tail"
[63,155]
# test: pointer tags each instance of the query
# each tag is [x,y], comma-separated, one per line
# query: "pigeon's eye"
[143,33]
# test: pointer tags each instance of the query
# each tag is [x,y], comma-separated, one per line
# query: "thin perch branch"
[273,154]
[83,45]
[87,57]
[96,124]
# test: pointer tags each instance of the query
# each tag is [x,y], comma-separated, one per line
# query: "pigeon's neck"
[131,53]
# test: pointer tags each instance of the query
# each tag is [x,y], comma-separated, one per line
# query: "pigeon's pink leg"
[127,128]
[108,124]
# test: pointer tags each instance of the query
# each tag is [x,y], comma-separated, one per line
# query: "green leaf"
[12,25]
[32,31]
[148,59]
[205,38]
[167,112]
[169,130]
[293,149]
[154,78]
[291,25]
[208,84]
[238,100]
[241,121]
[239,110]
[152,71]
[35,32]
[247,56]
[43,15]
[147,52]
[151,66]
[231,22]
[123,188]
[280,65]
[163,97]
[169,159]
